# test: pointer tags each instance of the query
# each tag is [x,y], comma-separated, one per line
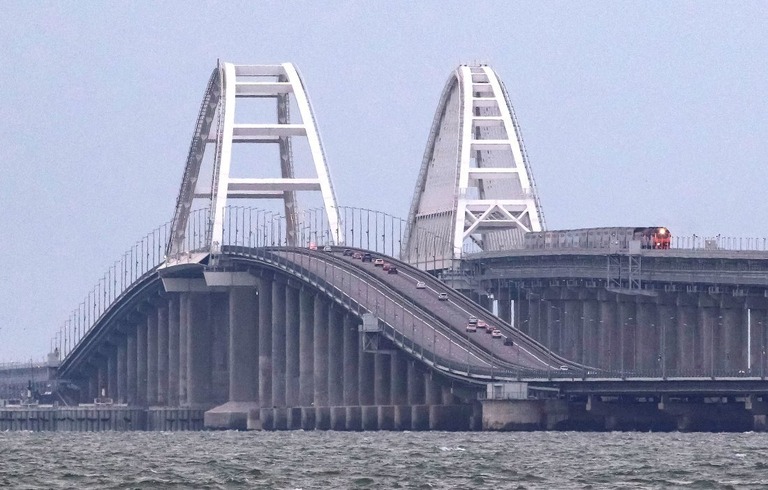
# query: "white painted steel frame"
[474,214]
[223,90]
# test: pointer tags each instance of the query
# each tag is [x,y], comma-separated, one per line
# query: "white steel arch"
[228,83]
[475,190]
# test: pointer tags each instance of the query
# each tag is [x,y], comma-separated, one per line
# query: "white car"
[473,320]
[496,334]
[421,285]
[378,262]
[471,328]
[442,296]
[327,248]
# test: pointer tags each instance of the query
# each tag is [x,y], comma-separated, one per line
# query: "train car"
[616,238]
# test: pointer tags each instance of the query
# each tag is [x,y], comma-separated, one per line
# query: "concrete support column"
[505,305]
[321,352]
[399,379]
[243,345]
[758,318]
[112,373]
[173,350]
[433,393]
[648,338]
[553,313]
[366,378]
[93,385]
[278,343]
[103,377]
[535,305]
[415,384]
[184,299]
[219,325]
[668,347]
[627,334]
[141,363]
[382,379]
[131,361]
[162,354]
[572,325]
[122,370]
[306,347]
[591,339]
[199,342]
[608,346]
[351,361]
[734,336]
[522,315]
[292,346]
[689,360]
[265,342]
[151,386]
[708,324]
[335,356]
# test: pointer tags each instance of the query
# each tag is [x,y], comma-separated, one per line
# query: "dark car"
[347,252]
[367,257]
[508,341]
[392,270]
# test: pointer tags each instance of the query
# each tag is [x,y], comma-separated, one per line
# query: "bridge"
[267,314]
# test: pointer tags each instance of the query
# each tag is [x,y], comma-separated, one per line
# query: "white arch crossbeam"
[475,186]
[228,83]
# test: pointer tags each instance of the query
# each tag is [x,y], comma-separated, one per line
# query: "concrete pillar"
[415,384]
[306,347]
[103,377]
[590,339]
[365,377]
[219,325]
[687,331]
[382,379]
[112,373]
[572,326]
[321,352]
[398,378]
[758,318]
[708,321]
[184,299]
[552,313]
[292,346]
[734,335]
[141,363]
[627,334]
[535,306]
[278,343]
[335,356]
[162,354]
[131,361]
[647,338]
[606,327]
[668,348]
[122,370]
[522,315]
[173,350]
[265,341]
[151,386]
[433,393]
[351,361]
[505,305]
[199,342]
[93,385]
[243,345]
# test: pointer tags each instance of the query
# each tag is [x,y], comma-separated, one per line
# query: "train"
[617,238]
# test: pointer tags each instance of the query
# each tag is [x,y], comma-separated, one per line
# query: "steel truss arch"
[228,83]
[475,185]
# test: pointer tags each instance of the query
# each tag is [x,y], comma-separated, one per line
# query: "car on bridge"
[496,333]
[472,320]
[312,246]
[378,262]
[367,257]
[421,285]
[392,270]
[357,255]
[327,248]
[509,341]
[471,327]
[347,253]
[442,296]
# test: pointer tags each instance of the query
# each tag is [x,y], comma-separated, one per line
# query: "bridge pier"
[162,353]
[174,341]
[152,378]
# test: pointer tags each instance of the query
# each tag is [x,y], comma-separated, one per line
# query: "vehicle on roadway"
[653,237]
[442,296]
[327,248]
[347,253]
[471,328]
[386,266]
[378,262]
[367,257]
[496,333]
[508,341]
[421,285]
[481,324]
[489,329]
[312,246]
[357,255]
[392,270]
[472,320]
[563,368]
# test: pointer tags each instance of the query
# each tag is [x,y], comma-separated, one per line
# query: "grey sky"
[633,114]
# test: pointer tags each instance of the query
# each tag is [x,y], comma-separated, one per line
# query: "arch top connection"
[217,125]
[475,184]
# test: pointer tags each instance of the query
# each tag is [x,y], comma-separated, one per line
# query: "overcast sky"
[633,114]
